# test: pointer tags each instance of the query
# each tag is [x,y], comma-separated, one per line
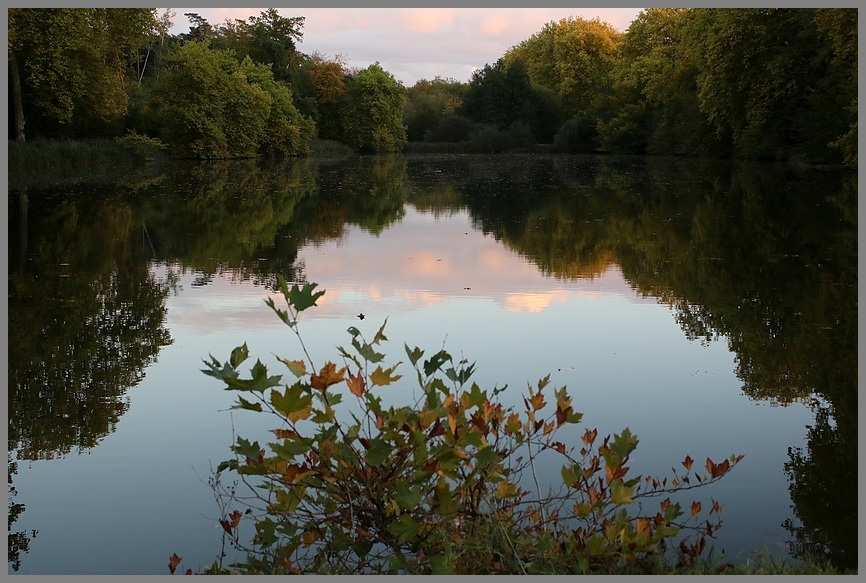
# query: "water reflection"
[757,257]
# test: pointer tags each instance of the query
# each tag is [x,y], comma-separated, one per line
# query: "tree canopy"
[765,83]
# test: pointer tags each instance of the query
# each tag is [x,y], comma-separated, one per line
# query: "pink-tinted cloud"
[417,43]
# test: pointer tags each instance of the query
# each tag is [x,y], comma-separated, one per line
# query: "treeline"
[753,83]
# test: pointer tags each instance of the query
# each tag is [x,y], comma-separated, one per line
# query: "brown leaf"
[173,562]
[537,401]
[356,384]
[285,434]
[329,375]
[688,463]
[696,508]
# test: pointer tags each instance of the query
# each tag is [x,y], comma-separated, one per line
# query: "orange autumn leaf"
[696,508]
[589,436]
[548,427]
[537,401]
[285,434]
[356,384]
[329,375]
[295,472]
[452,423]
[688,463]
[173,562]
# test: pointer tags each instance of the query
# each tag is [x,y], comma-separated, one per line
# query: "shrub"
[436,483]
[578,134]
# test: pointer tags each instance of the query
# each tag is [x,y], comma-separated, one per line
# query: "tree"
[373,115]
[498,94]
[573,57]
[760,73]
[215,107]
[72,65]
[429,102]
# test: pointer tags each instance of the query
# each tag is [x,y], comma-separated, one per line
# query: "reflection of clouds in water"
[533,302]
[416,264]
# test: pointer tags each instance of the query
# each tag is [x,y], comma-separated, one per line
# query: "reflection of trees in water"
[85,320]
[19,541]
[79,343]
[761,258]
[753,254]
[823,486]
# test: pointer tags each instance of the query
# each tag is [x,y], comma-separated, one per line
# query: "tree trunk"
[17,102]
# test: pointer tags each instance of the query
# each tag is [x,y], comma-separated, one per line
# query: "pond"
[709,307]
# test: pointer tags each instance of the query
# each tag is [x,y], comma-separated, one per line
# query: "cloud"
[417,43]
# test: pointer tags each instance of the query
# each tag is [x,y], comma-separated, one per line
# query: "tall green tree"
[573,57]
[760,70]
[70,67]
[428,102]
[215,107]
[373,115]
[498,94]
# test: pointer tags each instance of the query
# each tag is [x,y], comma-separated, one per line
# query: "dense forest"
[762,83]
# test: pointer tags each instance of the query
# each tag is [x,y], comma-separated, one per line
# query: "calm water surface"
[710,308]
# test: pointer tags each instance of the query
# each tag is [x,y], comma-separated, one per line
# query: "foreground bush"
[440,483]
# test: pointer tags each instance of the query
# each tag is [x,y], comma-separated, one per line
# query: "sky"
[416,43]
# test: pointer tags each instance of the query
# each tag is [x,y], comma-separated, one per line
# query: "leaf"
[404,528]
[435,362]
[303,298]
[297,367]
[244,404]
[506,490]
[452,424]
[537,401]
[329,375]
[378,452]
[356,384]
[384,377]
[413,354]
[380,335]
[621,494]
[688,463]
[248,450]
[239,355]
[284,316]
[569,476]
[173,562]
[407,498]
[367,352]
[294,404]
[696,508]
[285,434]
[295,472]
[624,443]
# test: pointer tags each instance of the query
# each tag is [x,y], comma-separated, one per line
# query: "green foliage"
[143,146]
[434,482]
[579,134]
[215,107]
[498,94]
[428,103]
[373,115]
[73,64]
[573,57]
